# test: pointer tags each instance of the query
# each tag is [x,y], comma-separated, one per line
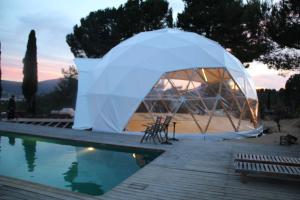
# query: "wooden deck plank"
[41,190]
[269,159]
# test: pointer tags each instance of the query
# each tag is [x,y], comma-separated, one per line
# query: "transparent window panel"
[199,113]
[253,106]
[231,85]
[250,89]
[156,106]
[211,75]
[220,123]
[200,100]
[180,75]
[199,87]
[239,79]
[138,121]
[185,121]
[246,121]
[211,84]
[140,118]
[232,101]
[232,112]
[226,76]
[181,81]
[231,104]
[162,89]
[219,119]
[210,103]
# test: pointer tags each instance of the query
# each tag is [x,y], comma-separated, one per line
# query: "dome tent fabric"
[111,89]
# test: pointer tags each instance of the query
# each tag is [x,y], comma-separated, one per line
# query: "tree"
[103,29]
[66,91]
[292,89]
[236,26]
[30,79]
[284,23]
[64,94]
[283,28]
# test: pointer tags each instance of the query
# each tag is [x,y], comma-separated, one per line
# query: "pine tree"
[103,29]
[30,79]
[283,28]
[235,25]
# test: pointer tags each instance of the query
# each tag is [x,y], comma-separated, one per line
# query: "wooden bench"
[267,165]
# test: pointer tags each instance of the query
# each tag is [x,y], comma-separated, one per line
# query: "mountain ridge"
[15,87]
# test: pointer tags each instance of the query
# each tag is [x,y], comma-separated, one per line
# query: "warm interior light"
[133,155]
[90,148]
[231,84]
[204,75]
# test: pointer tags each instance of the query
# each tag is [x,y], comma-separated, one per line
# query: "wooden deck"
[189,169]
[11,189]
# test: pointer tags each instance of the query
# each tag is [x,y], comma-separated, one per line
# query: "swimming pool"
[80,167]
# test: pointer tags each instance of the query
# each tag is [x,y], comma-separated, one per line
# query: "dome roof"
[111,88]
[168,50]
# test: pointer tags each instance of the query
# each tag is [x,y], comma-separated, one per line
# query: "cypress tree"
[30,79]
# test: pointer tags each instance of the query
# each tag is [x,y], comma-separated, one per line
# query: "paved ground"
[189,169]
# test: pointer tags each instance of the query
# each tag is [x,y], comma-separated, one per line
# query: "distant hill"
[14,87]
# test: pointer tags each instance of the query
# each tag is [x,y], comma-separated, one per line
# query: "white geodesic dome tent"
[166,72]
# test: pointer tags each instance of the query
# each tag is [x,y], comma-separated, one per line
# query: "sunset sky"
[53,20]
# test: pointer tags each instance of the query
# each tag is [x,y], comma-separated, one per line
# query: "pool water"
[79,167]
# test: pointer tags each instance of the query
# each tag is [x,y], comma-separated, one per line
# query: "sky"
[53,20]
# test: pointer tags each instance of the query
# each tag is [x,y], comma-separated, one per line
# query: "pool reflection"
[12,141]
[30,149]
[102,168]
[63,164]
[87,187]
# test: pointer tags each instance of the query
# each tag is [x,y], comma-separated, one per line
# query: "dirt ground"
[288,126]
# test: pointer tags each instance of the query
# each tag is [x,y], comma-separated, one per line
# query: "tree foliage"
[288,98]
[66,91]
[235,25]
[283,24]
[283,28]
[103,29]
[251,30]
[282,59]
[30,78]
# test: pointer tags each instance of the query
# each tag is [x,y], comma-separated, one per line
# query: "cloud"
[51,21]
[267,78]
[269,81]
[51,29]
[44,73]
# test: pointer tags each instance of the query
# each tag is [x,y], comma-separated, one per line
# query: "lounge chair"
[164,128]
[151,131]
[267,165]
